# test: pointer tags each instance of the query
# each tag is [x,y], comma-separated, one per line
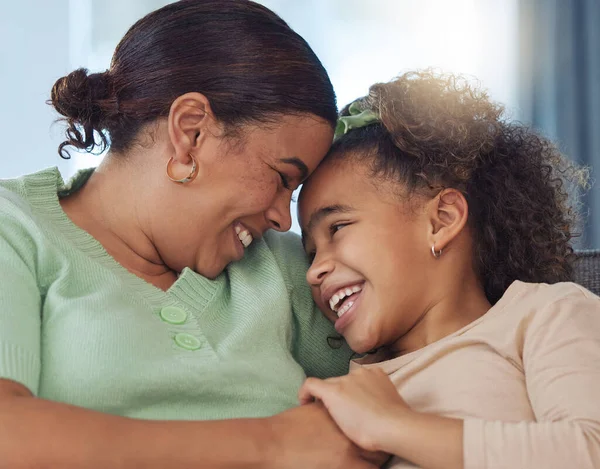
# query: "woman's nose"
[278,215]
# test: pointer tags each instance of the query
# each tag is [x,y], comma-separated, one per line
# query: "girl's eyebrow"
[318,215]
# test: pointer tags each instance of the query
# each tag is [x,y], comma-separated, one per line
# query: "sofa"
[587,270]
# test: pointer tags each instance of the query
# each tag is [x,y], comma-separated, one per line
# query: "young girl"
[439,236]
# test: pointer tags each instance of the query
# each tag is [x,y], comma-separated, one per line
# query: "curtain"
[559,75]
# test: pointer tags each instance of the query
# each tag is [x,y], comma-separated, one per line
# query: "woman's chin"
[213,271]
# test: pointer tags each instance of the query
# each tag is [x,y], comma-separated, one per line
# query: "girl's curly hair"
[437,131]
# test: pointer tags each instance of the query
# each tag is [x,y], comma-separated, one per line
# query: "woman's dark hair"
[436,132]
[245,59]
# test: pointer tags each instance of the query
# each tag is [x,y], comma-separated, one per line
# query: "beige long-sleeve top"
[525,377]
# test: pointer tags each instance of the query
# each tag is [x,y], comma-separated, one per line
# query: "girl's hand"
[365,404]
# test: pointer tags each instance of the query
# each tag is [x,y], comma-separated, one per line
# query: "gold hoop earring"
[435,253]
[190,177]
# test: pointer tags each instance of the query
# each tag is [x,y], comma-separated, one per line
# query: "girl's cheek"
[322,307]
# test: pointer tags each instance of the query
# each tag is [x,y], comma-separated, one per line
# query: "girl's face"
[370,254]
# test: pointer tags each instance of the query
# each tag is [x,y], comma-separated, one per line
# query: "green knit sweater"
[77,327]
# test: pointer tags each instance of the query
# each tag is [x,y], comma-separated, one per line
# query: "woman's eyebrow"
[299,164]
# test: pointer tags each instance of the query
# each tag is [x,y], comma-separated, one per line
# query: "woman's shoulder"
[24,204]
[12,198]
[290,257]
[21,193]
[287,246]
[15,210]
[21,198]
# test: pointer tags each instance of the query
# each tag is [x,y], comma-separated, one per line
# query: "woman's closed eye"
[285,182]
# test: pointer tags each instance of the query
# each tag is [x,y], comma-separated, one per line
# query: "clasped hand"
[365,405]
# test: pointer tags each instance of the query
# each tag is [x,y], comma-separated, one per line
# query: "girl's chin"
[360,344]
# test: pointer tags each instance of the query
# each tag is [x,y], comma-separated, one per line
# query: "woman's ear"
[189,117]
[449,212]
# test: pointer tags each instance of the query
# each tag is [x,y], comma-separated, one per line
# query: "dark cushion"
[587,270]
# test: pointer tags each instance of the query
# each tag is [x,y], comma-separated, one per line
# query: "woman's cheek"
[259,200]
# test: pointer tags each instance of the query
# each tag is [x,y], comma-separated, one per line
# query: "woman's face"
[243,189]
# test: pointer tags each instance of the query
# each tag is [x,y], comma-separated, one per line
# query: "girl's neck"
[456,304]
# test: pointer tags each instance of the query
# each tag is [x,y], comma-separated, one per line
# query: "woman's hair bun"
[76,95]
[87,106]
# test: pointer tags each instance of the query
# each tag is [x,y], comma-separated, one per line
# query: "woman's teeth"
[244,236]
[337,298]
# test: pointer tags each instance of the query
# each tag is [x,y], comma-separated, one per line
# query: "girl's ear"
[449,212]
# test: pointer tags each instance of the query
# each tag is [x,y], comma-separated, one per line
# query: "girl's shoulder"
[541,295]
[552,312]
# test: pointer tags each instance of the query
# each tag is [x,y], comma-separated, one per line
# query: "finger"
[309,400]
[305,395]
[364,465]
[378,458]
[313,388]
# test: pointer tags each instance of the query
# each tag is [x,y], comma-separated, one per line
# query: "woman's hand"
[365,405]
[307,437]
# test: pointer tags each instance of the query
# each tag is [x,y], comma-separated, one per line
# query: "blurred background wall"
[537,57]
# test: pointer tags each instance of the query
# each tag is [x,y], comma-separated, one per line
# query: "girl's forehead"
[344,180]
[335,189]
[329,180]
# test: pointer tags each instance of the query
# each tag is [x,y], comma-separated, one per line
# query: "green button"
[173,315]
[187,341]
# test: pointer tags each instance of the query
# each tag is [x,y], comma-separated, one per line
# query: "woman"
[118,303]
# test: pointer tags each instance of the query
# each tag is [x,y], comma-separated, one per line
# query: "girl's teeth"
[339,296]
[335,299]
[346,307]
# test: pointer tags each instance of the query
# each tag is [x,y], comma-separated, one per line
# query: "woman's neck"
[109,207]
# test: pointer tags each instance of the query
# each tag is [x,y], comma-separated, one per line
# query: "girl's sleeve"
[20,303]
[316,346]
[561,359]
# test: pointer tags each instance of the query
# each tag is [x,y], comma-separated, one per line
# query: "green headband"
[355,120]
